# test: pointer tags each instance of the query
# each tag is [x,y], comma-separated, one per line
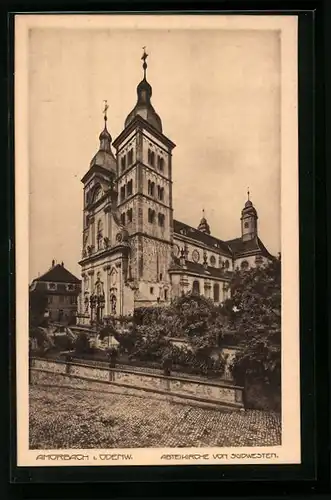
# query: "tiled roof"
[58,274]
[194,267]
[183,229]
[240,247]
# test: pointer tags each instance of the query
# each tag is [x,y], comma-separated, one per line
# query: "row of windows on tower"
[126,190]
[126,160]
[151,190]
[152,217]
[151,160]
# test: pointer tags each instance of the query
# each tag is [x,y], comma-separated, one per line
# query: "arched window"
[196,287]
[244,264]
[99,234]
[161,164]
[152,158]
[216,292]
[152,188]
[227,264]
[246,225]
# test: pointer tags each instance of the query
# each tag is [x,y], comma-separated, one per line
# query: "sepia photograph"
[157,240]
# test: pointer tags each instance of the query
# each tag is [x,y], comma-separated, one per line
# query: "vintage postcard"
[156,170]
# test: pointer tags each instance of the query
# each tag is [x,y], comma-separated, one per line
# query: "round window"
[244,264]
[195,256]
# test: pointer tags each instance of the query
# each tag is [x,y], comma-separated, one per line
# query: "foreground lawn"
[63,417]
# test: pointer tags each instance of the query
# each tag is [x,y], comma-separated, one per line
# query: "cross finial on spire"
[143,58]
[248,193]
[203,212]
[105,110]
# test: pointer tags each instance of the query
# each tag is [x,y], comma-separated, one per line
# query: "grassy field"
[62,417]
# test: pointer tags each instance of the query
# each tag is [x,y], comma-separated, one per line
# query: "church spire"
[144,106]
[143,58]
[248,220]
[105,137]
[204,226]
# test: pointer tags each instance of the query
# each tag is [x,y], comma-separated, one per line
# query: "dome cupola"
[204,226]
[144,106]
[248,220]
[105,157]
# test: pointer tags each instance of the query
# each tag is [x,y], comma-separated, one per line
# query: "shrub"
[82,344]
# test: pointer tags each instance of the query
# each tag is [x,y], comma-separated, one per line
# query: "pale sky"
[217,93]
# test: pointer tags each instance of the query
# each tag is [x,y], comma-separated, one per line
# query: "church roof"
[58,274]
[195,267]
[184,229]
[240,247]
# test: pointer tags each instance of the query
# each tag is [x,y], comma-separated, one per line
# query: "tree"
[37,307]
[256,319]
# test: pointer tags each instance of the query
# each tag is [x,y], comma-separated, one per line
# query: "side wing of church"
[133,251]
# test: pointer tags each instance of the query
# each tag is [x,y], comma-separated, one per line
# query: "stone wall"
[192,391]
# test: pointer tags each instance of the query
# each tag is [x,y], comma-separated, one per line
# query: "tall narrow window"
[161,164]
[152,162]
[165,294]
[216,292]
[123,219]
[129,188]
[122,193]
[149,156]
[123,163]
[152,188]
[129,215]
[130,157]
[160,193]
[161,220]
[196,287]
[151,215]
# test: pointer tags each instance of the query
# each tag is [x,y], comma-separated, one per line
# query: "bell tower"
[248,220]
[144,178]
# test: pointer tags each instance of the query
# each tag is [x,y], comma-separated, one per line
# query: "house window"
[130,157]
[50,300]
[73,300]
[165,294]
[227,264]
[122,193]
[151,215]
[160,276]
[149,156]
[52,286]
[152,158]
[196,287]
[216,292]
[161,220]
[244,264]
[152,188]
[123,163]
[129,188]
[129,215]
[70,288]
[151,290]
[123,219]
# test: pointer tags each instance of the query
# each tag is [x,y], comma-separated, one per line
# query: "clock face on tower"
[195,256]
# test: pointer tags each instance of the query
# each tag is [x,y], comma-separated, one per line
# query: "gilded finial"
[143,58]
[105,110]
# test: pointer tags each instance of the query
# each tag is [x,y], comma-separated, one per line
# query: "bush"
[82,344]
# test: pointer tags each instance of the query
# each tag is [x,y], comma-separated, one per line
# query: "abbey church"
[134,253]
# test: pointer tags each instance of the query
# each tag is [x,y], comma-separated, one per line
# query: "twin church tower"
[134,253]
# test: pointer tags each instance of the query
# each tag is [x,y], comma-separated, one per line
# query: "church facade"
[134,253]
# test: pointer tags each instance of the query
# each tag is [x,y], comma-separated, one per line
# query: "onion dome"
[204,226]
[105,157]
[144,107]
[249,208]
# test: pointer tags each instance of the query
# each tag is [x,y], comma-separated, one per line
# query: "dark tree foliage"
[256,320]
[37,307]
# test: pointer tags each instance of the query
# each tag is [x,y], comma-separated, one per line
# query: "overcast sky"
[217,93]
